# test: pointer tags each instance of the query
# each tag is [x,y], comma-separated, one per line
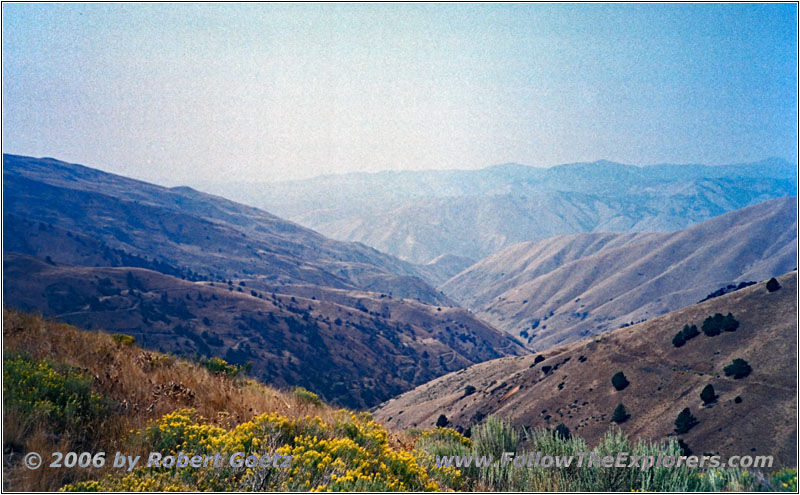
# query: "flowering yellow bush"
[220,366]
[350,452]
[447,435]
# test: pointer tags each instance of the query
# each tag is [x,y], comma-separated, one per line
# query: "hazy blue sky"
[184,93]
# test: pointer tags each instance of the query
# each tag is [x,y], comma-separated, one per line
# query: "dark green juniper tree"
[685,421]
[708,395]
[620,415]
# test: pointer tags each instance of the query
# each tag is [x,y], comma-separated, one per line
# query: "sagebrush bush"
[785,480]
[493,438]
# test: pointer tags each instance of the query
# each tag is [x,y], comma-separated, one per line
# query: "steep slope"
[444,267]
[212,277]
[211,236]
[562,289]
[756,414]
[479,284]
[123,398]
[353,348]
[419,216]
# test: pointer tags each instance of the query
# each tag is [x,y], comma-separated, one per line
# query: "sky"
[191,93]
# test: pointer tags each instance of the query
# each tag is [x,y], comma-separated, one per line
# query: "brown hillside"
[563,289]
[353,348]
[141,386]
[573,383]
[82,216]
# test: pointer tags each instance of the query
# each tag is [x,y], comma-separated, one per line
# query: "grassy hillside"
[353,348]
[196,274]
[83,216]
[559,290]
[573,384]
[131,390]
[72,390]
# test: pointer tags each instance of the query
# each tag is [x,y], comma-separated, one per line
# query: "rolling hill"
[419,216]
[194,274]
[353,348]
[565,288]
[572,384]
[182,229]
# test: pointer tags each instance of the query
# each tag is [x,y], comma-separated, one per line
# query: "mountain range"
[419,216]
[561,289]
[199,275]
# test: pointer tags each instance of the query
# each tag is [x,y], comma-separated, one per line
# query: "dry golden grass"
[142,386]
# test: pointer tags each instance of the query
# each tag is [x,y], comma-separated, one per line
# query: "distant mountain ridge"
[561,289]
[421,215]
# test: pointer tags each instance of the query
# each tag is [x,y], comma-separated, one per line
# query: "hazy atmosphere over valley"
[381,242]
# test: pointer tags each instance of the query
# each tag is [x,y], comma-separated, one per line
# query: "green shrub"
[707,394]
[469,390]
[714,325]
[122,339]
[773,285]
[53,392]
[739,368]
[729,323]
[495,436]
[685,421]
[620,415]
[344,452]
[619,381]
[442,421]
[678,340]
[690,332]
[220,366]
[785,480]
[498,436]
[306,396]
